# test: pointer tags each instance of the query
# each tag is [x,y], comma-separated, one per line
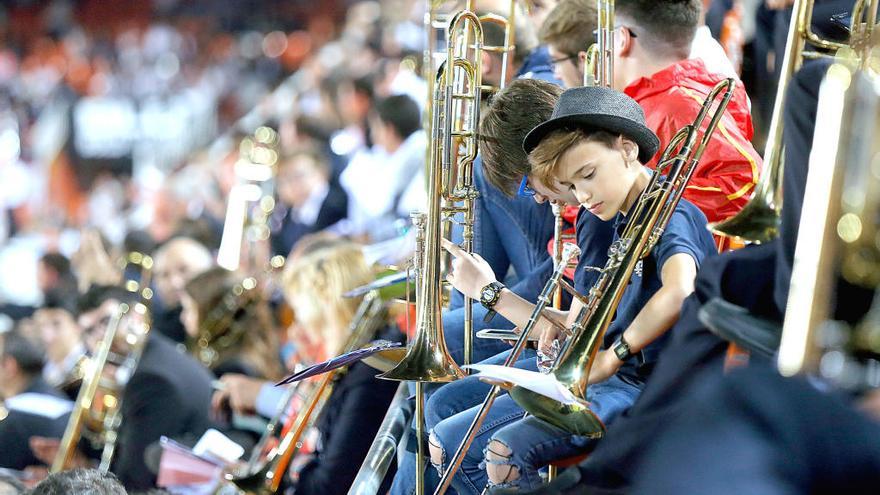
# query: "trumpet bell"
[757,222]
[577,418]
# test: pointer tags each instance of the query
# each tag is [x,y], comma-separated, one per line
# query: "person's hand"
[607,364]
[239,391]
[470,272]
[547,333]
[92,263]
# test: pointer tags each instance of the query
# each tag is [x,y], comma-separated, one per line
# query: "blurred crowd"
[121,126]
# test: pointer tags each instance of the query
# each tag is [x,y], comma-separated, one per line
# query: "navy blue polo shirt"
[594,237]
[685,233]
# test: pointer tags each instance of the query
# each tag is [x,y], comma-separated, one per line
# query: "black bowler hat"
[598,108]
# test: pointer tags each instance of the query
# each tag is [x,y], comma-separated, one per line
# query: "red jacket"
[730,166]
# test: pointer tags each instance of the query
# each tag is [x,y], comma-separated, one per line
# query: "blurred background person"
[321,269]
[57,330]
[228,324]
[168,392]
[175,264]
[32,407]
[308,201]
[385,186]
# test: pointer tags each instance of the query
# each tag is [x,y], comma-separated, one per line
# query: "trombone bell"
[575,418]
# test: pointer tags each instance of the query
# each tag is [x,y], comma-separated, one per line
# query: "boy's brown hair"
[544,159]
[665,27]
[569,26]
[511,114]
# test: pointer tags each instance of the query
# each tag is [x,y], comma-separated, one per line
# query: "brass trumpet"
[648,219]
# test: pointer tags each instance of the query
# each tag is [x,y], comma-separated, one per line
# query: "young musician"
[169,393]
[652,45]
[320,269]
[755,278]
[595,145]
[175,263]
[505,123]
[32,406]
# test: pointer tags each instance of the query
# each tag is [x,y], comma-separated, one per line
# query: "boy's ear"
[623,42]
[630,149]
[486,63]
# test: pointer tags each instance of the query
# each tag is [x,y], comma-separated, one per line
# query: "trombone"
[255,169]
[758,221]
[599,62]
[836,238]
[456,101]
[97,411]
[648,219]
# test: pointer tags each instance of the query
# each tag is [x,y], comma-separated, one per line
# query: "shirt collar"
[672,75]
[308,212]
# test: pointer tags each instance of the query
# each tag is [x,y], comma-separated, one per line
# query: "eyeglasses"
[557,61]
[524,190]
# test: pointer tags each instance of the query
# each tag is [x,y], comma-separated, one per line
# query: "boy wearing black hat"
[595,144]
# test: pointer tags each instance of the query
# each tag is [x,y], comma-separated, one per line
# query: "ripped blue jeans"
[450,411]
[530,442]
[445,401]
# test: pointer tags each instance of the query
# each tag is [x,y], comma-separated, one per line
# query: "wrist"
[621,349]
[489,296]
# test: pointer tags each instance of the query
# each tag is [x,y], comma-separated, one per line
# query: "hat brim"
[645,138]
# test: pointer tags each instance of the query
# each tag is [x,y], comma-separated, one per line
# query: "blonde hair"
[319,271]
[544,158]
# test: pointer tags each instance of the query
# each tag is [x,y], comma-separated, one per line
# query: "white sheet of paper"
[540,383]
[214,443]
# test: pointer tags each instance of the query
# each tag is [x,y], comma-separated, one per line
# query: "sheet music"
[540,383]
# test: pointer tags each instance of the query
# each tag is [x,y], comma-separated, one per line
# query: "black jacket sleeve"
[149,410]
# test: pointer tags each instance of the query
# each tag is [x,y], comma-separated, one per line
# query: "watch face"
[622,351]
[487,294]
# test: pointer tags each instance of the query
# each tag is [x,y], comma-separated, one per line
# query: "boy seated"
[595,145]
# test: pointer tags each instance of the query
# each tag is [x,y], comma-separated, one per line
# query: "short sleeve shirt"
[685,233]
